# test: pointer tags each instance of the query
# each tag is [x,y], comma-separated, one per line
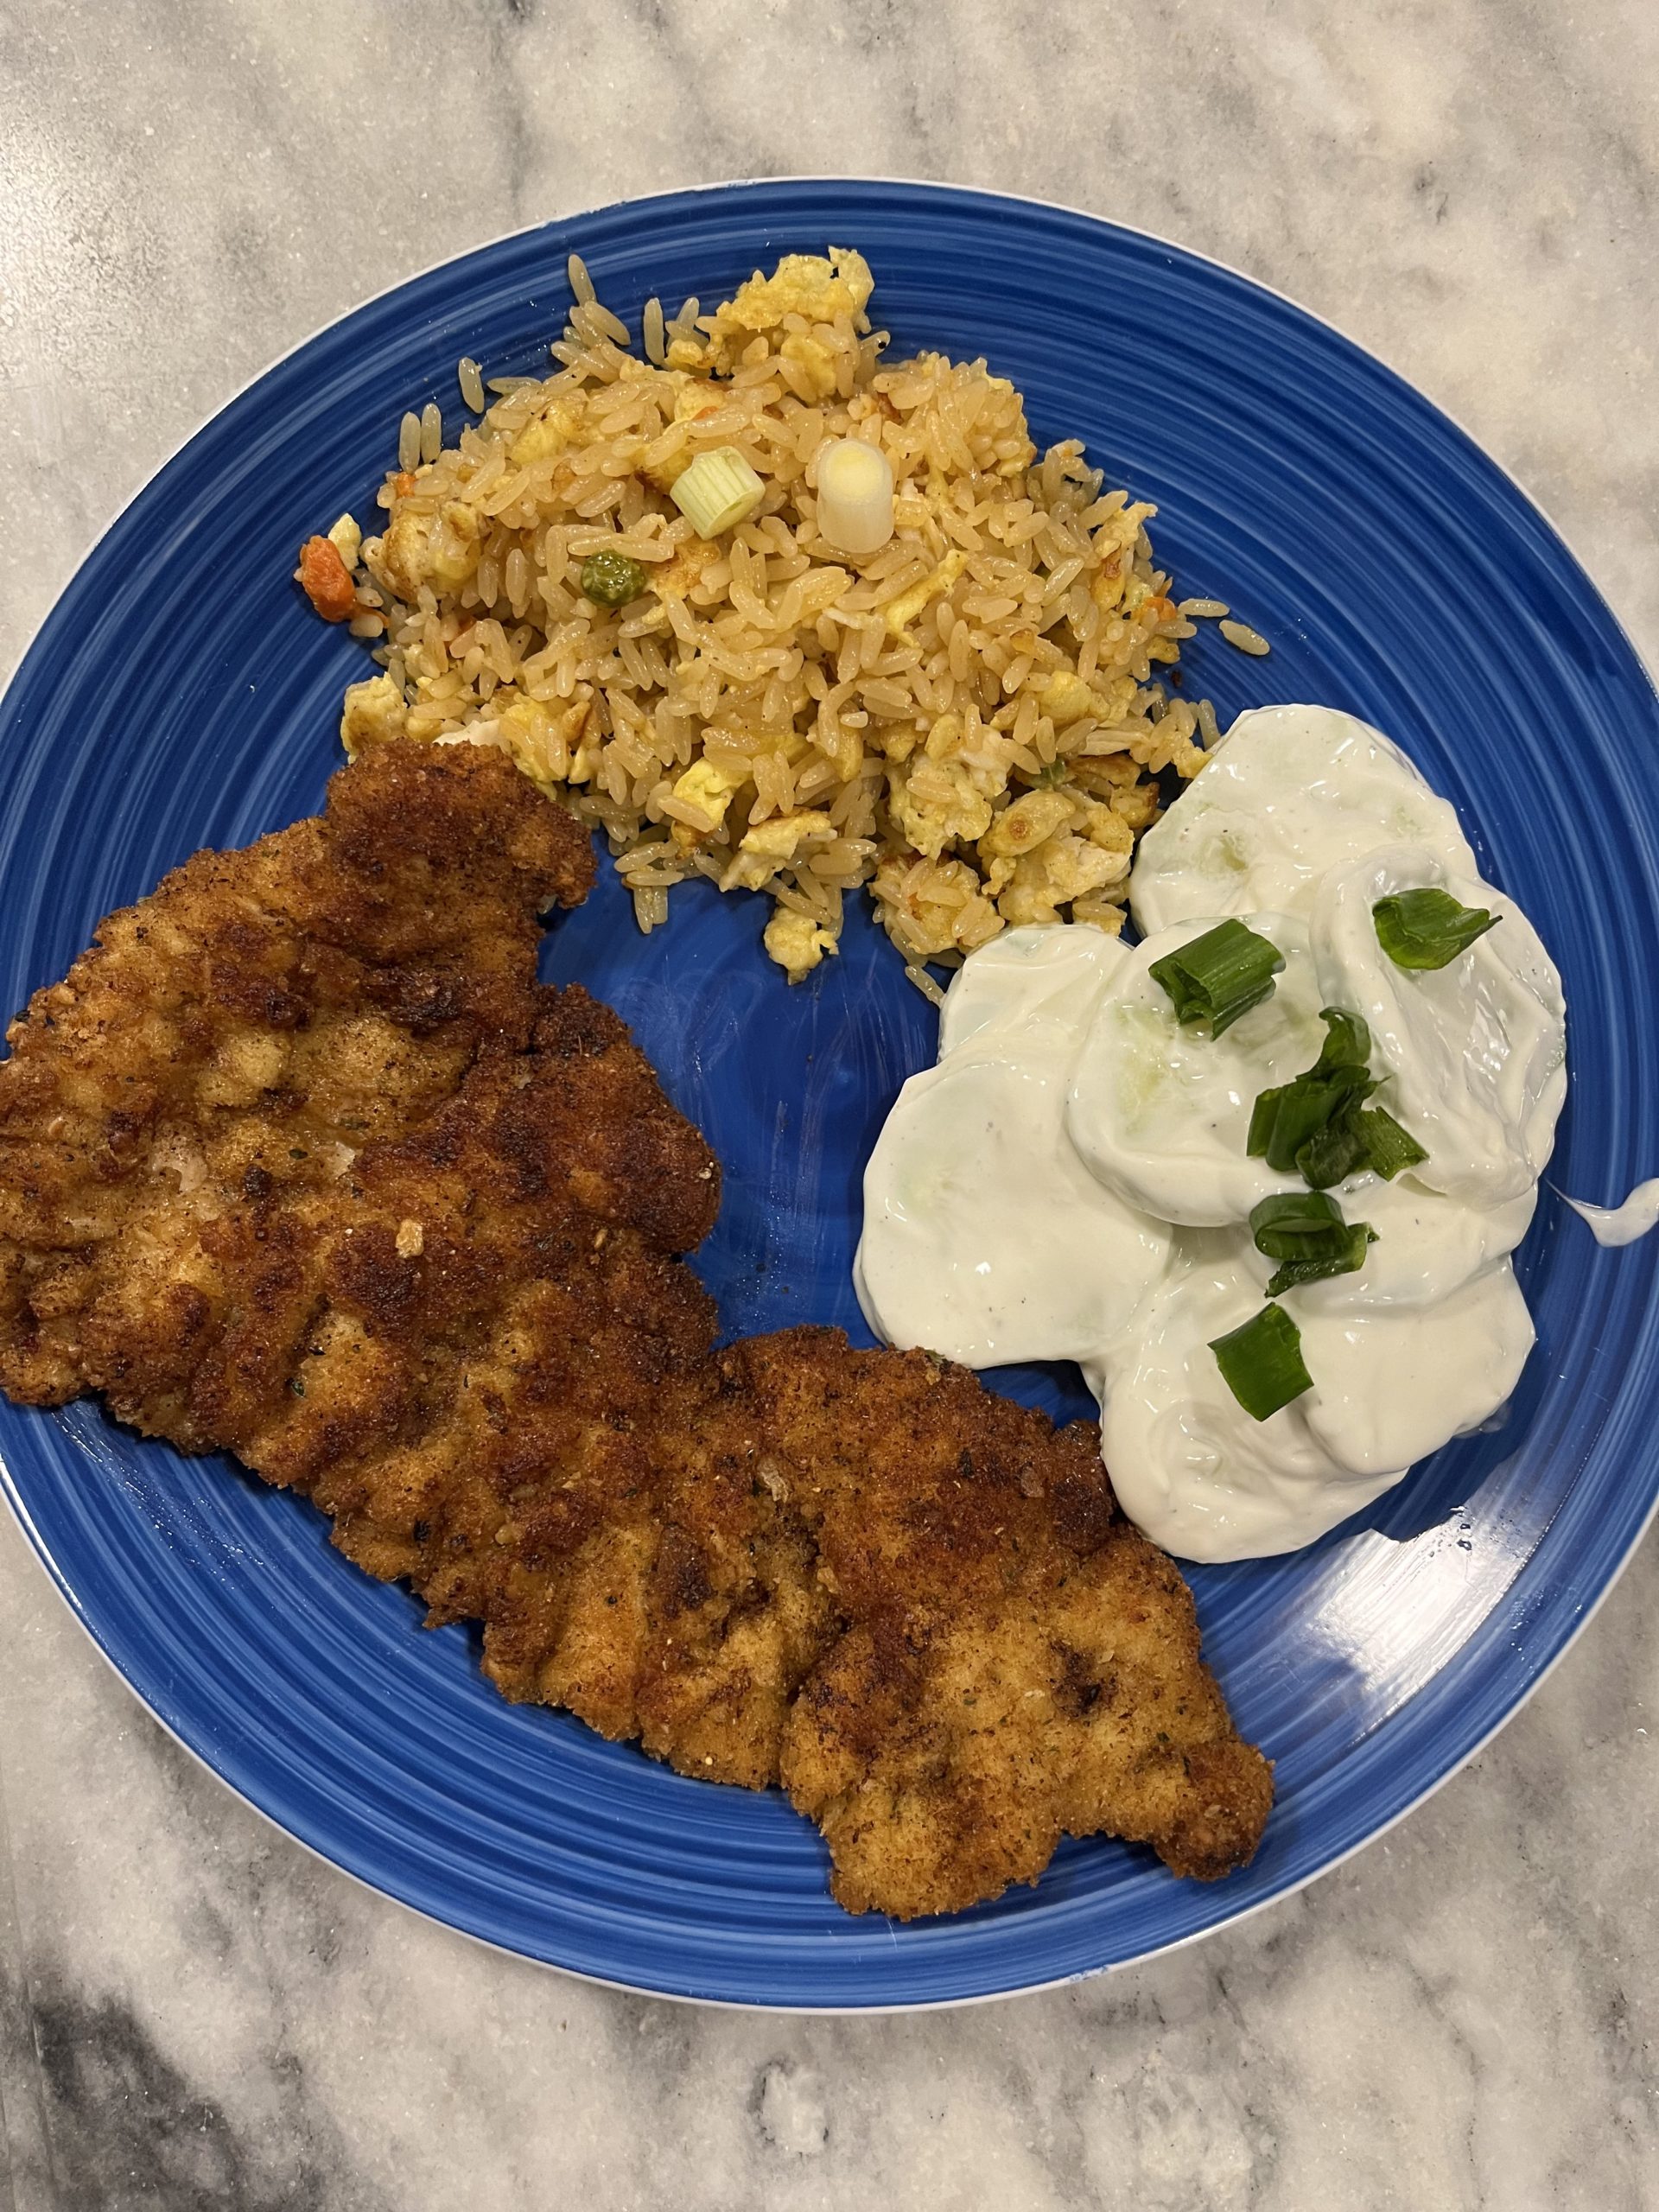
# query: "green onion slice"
[1306,1232]
[1388,1148]
[1347,1042]
[1428,929]
[1260,1362]
[1357,1239]
[1219,975]
[1312,1126]
[1337,1151]
[717,492]
[1285,1121]
[1290,1226]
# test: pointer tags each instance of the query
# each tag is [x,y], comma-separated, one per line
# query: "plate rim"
[943,191]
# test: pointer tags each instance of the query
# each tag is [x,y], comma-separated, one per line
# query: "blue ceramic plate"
[183,695]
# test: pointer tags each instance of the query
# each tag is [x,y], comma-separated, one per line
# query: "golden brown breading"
[1017,1662]
[241,1033]
[300,1161]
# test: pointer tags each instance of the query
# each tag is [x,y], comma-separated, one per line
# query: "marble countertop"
[193,2012]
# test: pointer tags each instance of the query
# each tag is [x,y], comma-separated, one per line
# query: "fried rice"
[971,721]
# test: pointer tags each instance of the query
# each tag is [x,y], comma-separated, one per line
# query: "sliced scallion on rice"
[1219,977]
[854,496]
[1428,928]
[1305,1232]
[717,492]
[1260,1362]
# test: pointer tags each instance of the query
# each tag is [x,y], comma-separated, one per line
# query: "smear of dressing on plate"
[1621,1224]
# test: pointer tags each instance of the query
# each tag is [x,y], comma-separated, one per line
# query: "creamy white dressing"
[1030,980]
[1289,792]
[1478,1049]
[1071,1181]
[972,1187]
[1617,1225]
[1188,1463]
[985,1237]
[1391,1385]
[1160,1112]
[1191,1465]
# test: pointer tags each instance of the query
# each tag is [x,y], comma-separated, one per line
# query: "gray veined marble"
[194,2012]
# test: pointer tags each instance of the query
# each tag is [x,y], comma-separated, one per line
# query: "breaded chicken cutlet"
[300,1162]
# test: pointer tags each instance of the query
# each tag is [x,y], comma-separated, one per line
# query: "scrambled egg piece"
[402,562]
[694,398]
[816,288]
[1137,804]
[937,802]
[545,436]
[709,790]
[900,612]
[803,284]
[546,742]
[768,846]
[1105,827]
[679,578]
[1050,847]
[1063,868]
[346,539]
[814,361]
[796,942]
[1066,698]
[1026,824]
[374,711]
[935,906]
[421,547]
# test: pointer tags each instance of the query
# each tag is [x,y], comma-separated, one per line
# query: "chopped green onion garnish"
[1261,1363]
[717,492]
[1428,929]
[611,579]
[1291,1225]
[1347,1041]
[1356,1239]
[1219,975]
[1285,1120]
[1313,1124]
[1388,1148]
[1306,1231]
[1337,1151]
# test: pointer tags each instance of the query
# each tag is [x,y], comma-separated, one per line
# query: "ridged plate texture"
[182,694]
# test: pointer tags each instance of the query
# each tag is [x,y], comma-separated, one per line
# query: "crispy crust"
[300,1161]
